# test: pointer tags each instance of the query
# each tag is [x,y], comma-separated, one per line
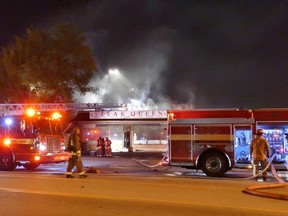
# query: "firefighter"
[103,147]
[108,150]
[74,148]
[259,151]
[99,147]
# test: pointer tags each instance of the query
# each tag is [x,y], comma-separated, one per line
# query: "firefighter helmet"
[76,130]
[260,132]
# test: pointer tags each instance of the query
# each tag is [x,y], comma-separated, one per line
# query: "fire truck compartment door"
[181,143]
[242,138]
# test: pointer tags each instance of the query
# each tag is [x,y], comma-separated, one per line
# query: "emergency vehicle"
[217,140]
[32,134]
[30,140]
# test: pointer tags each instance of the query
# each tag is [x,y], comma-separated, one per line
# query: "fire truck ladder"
[116,73]
[19,109]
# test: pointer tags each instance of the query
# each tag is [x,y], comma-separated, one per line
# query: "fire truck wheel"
[6,161]
[214,164]
[31,166]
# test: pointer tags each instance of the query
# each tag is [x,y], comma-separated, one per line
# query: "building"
[137,130]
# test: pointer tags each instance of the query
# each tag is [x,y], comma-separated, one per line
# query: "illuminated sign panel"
[128,114]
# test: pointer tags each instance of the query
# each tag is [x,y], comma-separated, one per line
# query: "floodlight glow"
[113,71]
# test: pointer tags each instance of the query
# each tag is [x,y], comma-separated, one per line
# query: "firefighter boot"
[69,176]
[83,176]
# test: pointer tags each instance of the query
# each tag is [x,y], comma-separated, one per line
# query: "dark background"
[205,54]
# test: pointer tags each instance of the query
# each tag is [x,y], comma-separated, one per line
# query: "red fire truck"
[218,140]
[30,140]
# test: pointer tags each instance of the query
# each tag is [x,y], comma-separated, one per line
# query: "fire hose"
[160,163]
[255,190]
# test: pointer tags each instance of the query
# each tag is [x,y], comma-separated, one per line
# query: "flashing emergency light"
[171,116]
[7,141]
[30,112]
[8,121]
[56,115]
[42,147]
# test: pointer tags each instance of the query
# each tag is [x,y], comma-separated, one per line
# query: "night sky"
[205,54]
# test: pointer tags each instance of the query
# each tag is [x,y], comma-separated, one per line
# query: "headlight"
[37,158]
[7,141]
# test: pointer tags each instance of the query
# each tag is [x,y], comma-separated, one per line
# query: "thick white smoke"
[141,69]
[144,60]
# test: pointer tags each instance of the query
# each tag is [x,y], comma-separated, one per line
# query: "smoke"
[140,51]
[142,67]
[184,54]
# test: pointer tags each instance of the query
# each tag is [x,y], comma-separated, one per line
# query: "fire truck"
[32,134]
[216,140]
[30,140]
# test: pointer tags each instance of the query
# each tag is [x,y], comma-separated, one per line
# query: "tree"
[44,65]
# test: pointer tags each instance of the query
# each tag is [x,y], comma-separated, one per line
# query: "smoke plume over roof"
[203,54]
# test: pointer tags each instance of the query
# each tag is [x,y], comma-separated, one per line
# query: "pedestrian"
[74,148]
[108,150]
[259,151]
[99,147]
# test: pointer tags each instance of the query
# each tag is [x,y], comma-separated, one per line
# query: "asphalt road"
[117,194]
[148,163]
[143,164]
[124,186]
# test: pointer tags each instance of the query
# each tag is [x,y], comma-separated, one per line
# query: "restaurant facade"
[140,130]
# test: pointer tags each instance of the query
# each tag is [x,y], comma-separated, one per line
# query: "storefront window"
[149,134]
[113,132]
[104,130]
[163,134]
[116,132]
[140,134]
[153,134]
[90,133]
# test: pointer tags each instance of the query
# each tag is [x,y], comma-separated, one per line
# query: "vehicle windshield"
[17,126]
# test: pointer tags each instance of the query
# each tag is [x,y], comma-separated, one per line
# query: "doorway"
[127,142]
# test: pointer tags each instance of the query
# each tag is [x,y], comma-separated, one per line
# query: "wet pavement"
[120,161]
[149,163]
